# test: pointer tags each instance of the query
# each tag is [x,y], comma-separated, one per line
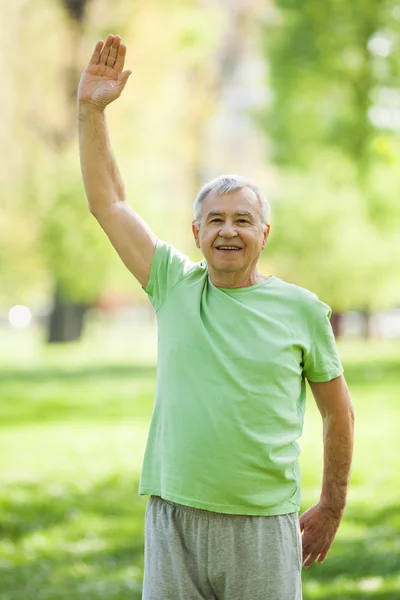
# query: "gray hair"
[225,184]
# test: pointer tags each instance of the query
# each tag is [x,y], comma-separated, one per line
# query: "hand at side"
[318,526]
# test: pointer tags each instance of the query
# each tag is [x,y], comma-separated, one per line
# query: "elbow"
[352,413]
[92,209]
[99,209]
[344,413]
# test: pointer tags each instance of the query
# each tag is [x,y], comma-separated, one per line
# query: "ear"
[196,231]
[265,235]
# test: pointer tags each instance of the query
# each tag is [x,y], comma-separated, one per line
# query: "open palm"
[104,79]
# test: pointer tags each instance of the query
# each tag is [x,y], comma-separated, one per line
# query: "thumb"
[124,78]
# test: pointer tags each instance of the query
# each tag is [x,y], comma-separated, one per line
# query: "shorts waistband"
[201,511]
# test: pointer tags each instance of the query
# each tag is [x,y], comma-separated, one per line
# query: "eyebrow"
[216,213]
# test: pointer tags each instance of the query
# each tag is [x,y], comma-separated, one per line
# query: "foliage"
[40,130]
[333,71]
[331,67]
[323,75]
[322,239]
[71,241]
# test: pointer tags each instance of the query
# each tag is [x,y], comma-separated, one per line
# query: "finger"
[322,555]
[307,552]
[311,549]
[112,57]
[106,50]
[119,63]
[309,560]
[308,543]
[96,53]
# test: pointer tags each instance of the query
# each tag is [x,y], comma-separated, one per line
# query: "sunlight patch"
[370,583]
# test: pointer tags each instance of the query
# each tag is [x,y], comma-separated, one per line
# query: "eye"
[242,221]
[216,220]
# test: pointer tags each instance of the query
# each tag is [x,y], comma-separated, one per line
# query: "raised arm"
[102,82]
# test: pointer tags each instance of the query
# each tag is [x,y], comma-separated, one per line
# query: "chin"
[226,268]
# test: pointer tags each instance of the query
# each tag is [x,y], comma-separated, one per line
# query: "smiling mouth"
[228,249]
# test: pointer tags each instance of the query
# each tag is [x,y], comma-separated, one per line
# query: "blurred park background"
[300,95]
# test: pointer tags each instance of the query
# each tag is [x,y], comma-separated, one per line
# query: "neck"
[235,279]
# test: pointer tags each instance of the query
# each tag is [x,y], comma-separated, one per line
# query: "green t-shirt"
[230,395]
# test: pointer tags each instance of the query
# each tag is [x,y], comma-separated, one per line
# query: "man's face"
[232,220]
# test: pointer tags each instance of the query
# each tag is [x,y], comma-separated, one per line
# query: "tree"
[327,65]
[66,320]
[53,247]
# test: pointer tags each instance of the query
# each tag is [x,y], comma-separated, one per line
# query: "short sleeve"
[322,362]
[168,267]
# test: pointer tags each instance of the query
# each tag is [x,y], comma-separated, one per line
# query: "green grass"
[73,426]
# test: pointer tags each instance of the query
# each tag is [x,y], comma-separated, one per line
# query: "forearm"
[338,451]
[102,181]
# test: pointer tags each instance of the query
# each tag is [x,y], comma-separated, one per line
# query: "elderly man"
[235,348]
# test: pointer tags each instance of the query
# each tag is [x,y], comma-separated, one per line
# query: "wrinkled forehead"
[243,200]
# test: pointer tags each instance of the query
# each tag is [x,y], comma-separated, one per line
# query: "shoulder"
[172,257]
[302,299]
[296,292]
[169,269]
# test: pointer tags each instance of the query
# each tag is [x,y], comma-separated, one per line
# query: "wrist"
[89,108]
[334,509]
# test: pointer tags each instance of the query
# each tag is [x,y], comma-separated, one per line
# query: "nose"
[227,230]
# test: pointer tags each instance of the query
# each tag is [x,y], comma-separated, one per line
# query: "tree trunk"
[205,83]
[366,327]
[336,319]
[66,319]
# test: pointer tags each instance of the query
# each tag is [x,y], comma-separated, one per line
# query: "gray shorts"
[195,554]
